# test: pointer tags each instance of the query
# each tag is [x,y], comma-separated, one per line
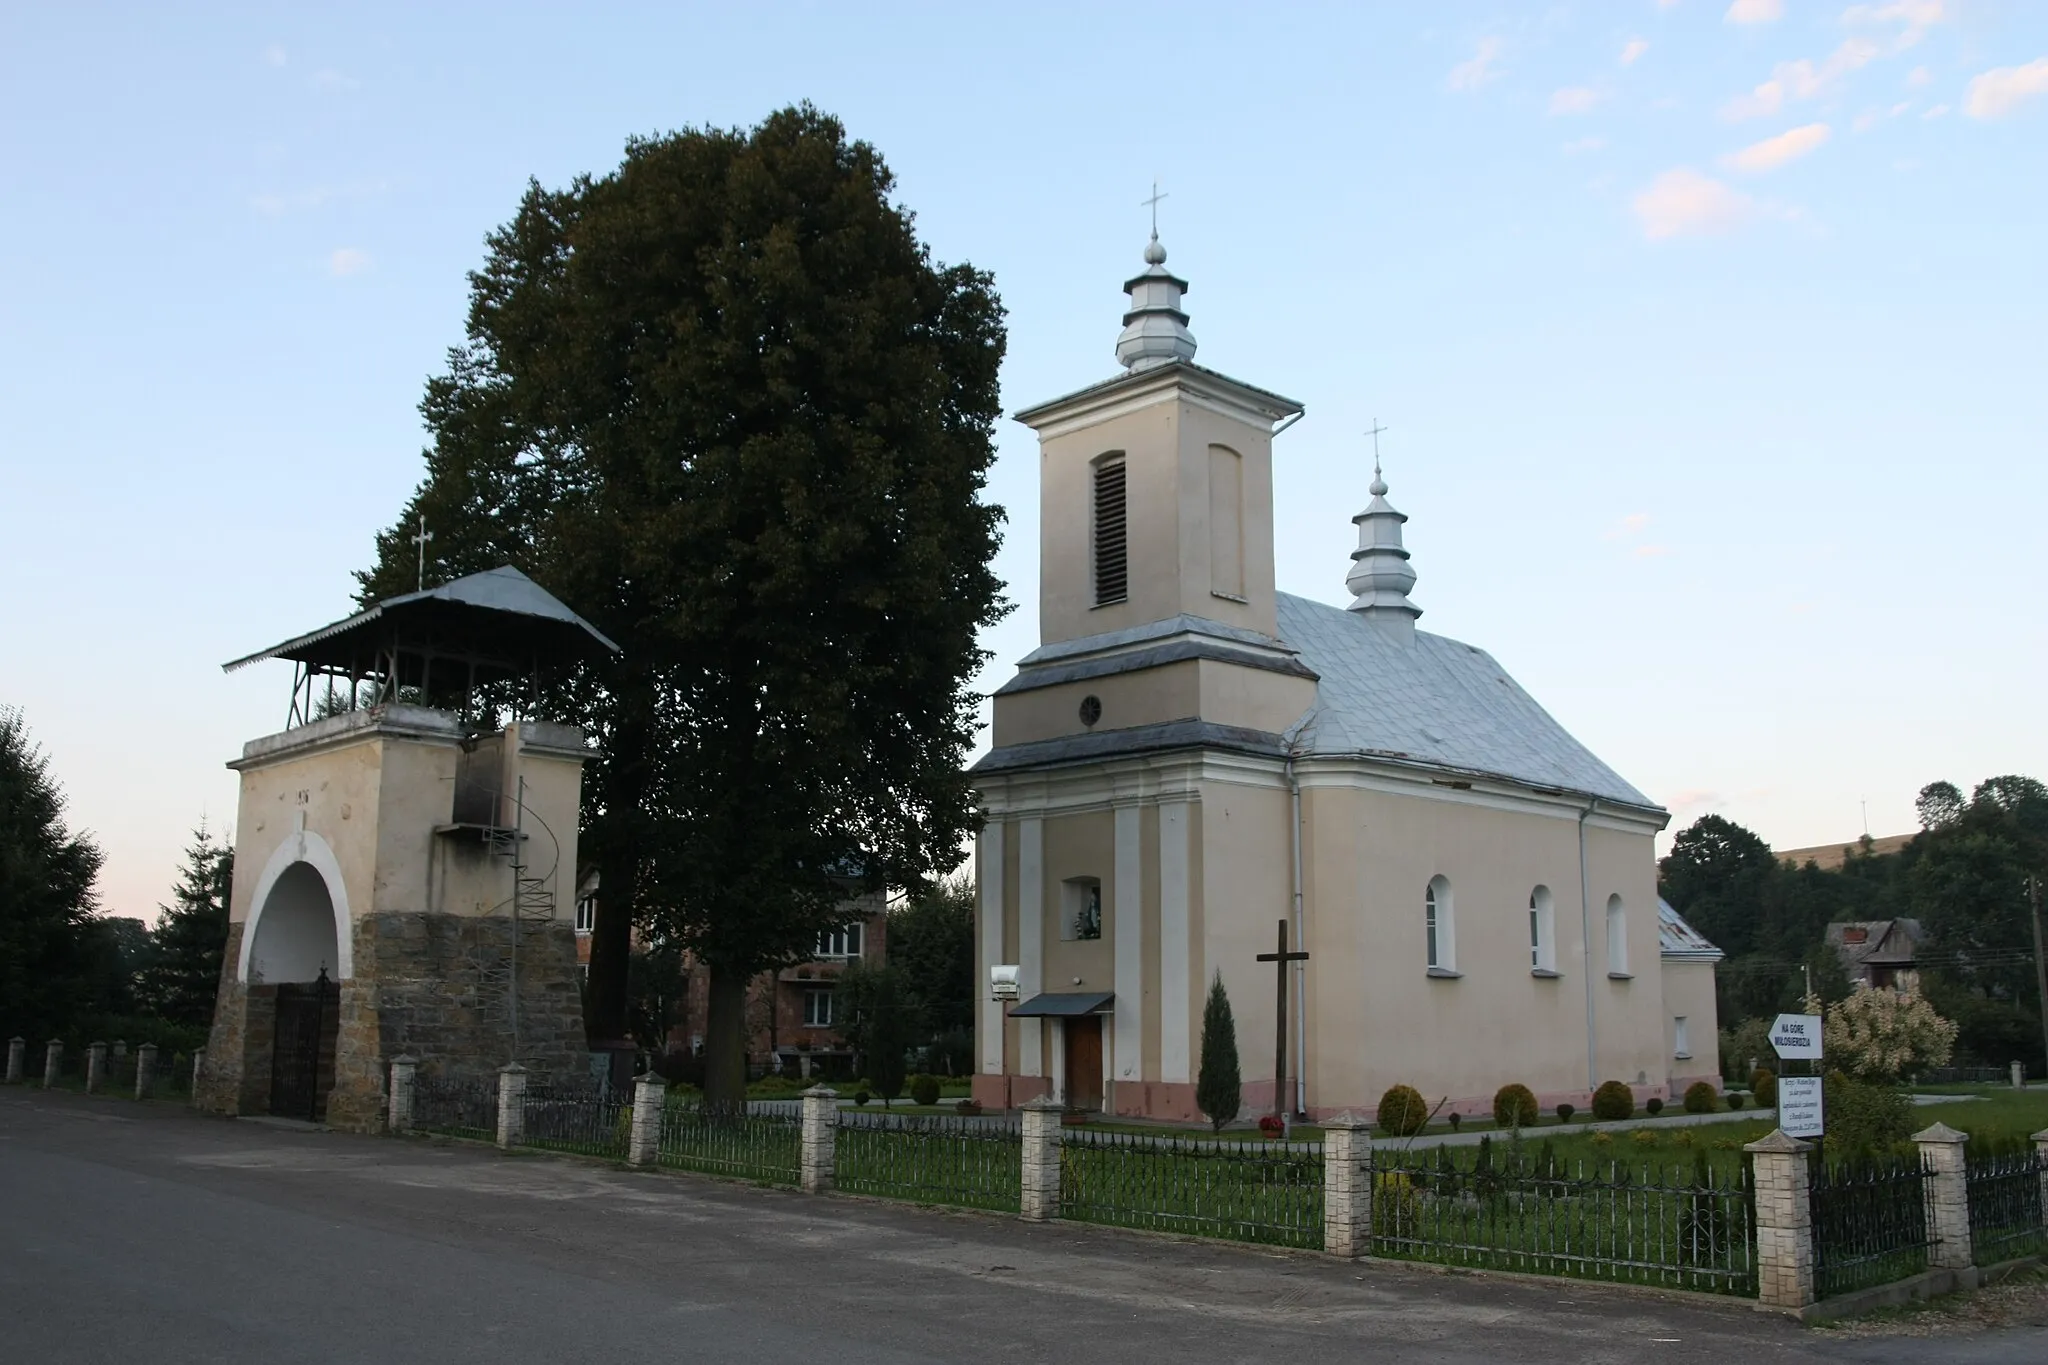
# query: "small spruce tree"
[1219,1089]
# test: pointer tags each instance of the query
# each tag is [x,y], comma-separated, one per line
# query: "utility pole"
[2040,957]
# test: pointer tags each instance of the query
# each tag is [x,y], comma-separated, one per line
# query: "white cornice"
[1434,785]
[1191,384]
[1140,779]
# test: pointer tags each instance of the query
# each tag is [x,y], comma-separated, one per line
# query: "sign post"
[1797,1037]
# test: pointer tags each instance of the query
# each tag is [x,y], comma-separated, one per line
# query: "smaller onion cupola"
[1380,574]
[1155,329]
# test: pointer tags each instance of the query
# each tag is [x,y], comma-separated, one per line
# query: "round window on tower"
[1091,709]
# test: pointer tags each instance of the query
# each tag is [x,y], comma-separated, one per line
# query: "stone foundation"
[418,988]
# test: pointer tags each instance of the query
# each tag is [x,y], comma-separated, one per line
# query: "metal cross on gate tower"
[1280,960]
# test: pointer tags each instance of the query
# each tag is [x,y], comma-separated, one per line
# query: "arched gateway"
[405,869]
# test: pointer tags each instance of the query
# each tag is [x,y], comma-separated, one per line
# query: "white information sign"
[1799,1109]
[1797,1035]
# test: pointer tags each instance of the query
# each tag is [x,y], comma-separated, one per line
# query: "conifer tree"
[1219,1090]
[54,952]
[181,978]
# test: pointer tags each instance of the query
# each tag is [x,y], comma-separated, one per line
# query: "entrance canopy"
[1064,1004]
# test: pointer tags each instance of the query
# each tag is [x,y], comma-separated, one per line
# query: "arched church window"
[1542,931]
[1110,543]
[1438,926]
[1617,937]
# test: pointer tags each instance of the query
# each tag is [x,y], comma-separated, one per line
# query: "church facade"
[1191,757]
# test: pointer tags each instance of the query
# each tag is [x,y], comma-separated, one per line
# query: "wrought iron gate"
[302,1048]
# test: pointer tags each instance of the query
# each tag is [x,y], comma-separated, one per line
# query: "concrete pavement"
[147,1233]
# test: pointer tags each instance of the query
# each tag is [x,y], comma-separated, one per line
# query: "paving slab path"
[144,1232]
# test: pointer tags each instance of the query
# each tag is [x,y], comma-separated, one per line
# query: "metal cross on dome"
[420,583]
[1374,432]
[1153,204]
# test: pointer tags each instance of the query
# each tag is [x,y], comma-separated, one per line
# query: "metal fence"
[1270,1192]
[1680,1227]
[592,1119]
[969,1162]
[744,1144]
[460,1106]
[1869,1223]
[1964,1075]
[2005,1206]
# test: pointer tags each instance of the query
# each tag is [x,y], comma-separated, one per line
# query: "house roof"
[1433,701]
[1680,941]
[1876,942]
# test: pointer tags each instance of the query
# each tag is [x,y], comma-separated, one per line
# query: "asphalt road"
[147,1233]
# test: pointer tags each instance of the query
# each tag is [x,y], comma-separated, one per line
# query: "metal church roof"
[499,613]
[1680,941]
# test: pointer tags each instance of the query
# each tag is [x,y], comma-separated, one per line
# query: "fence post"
[1784,1221]
[2041,1165]
[95,1068]
[1347,1185]
[145,1070]
[820,1139]
[198,1070]
[1948,1197]
[2019,1075]
[53,1062]
[405,1072]
[1039,1193]
[643,1145]
[17,1060]
[511,1104]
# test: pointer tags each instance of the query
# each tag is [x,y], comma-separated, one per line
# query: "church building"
[1191,757]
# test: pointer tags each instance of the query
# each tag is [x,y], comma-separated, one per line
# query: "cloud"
[1692,798]
[1627,526]
[1584,144]
[334,82]
[1801,80]
[1936,112]
[1650,551]
[1634,48]
[1684,203]
[348,260]
[1774,152]
[277,203]
[274,55]
[1477,72]
[2003,89]
[1918,77]
[1755,12]
[1913,17]
[1576,99]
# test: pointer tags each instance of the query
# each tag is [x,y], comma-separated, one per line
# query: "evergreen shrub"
[1700,1098]
[1514,1106]
[1402,1112]
[1565,1112]
[924,1090]
[1654,1105]
[1763,1088]
[1613,1101]
[1734,1100]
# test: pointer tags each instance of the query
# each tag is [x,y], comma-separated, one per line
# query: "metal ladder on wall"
[529,912]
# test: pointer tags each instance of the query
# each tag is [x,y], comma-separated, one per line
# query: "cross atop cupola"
[1155,329]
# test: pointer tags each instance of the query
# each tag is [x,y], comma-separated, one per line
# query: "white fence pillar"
[198,1070]
[145,1070]
[511,1104]
[53,1062]
[95,1068]
[17,1060]
[643,1143]
[2019,1075]
[2041,1161]
[1347,1185]
[1784,1222]
[820,1139]
[1948,1197]
[405,1075]
[1040,1191]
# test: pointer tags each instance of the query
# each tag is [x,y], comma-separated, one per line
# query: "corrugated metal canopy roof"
[1677,939]
[1062,1004]
[499,614]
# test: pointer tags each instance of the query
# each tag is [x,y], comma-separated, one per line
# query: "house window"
[817,1009]
[842,942]
[586,914]
[1681,1037]
[1439,927]
[1081,908]
[1617,937]
[1112,561]
[1542,931]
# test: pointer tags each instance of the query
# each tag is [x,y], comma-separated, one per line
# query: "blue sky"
[1709,337]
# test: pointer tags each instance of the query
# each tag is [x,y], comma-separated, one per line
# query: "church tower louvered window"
[1112,559]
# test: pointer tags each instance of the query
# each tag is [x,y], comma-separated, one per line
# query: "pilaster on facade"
[1030,938]
[1127,1041]
[991,929]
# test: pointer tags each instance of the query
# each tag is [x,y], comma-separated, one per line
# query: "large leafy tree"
[723,402]
[180,979]
[931,939]
[58,961]
[1717,875]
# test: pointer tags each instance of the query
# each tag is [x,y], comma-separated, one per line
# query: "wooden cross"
[421,540]
[1153,204]
[1280,960]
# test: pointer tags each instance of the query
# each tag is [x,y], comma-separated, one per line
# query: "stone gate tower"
[405,868]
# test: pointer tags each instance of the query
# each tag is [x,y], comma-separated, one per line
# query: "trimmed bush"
[1734,1101]
[1654,1106]
[861,1097]
[1219,1093]
[924,1090]
[1614,1101]
[1454,1118]
[1865,1117]
[1402,1112]
[1514,1106]
[1700,1098]
[1763,1088]
[1565,1112]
